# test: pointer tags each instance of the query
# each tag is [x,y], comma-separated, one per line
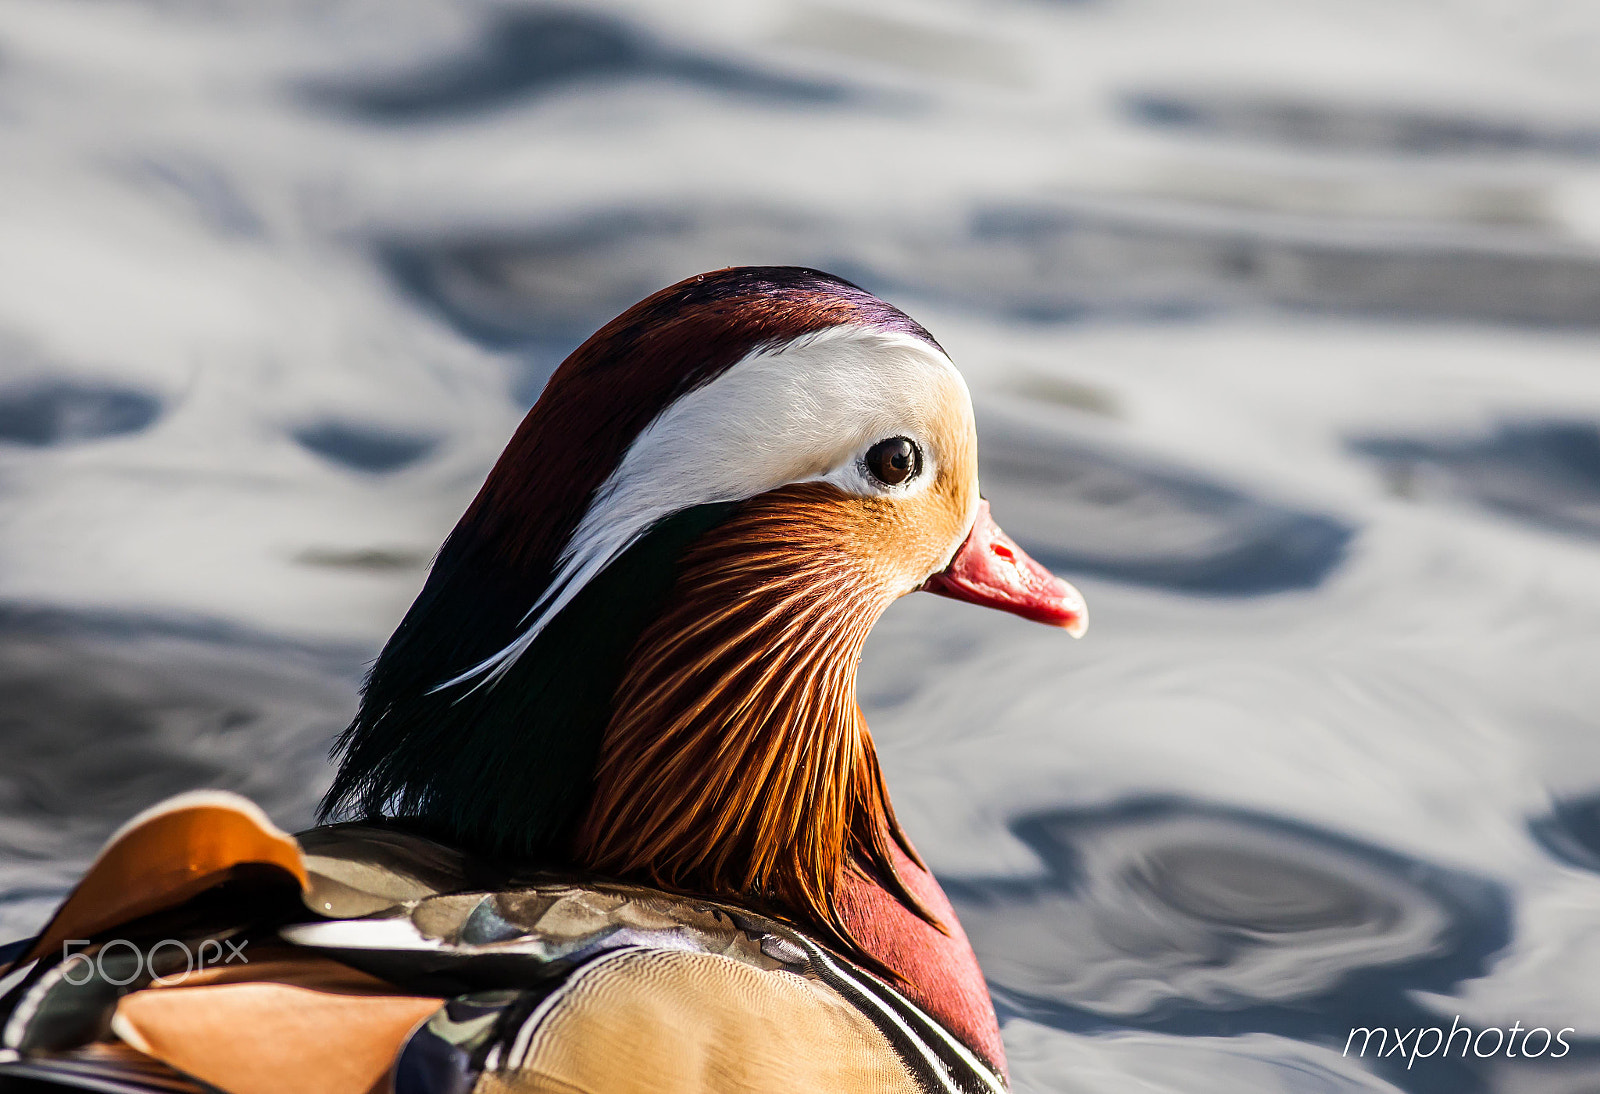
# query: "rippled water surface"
[1282,321]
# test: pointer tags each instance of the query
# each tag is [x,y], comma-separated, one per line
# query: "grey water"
[1282,323]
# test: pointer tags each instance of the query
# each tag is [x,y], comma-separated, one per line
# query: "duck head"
[636,653]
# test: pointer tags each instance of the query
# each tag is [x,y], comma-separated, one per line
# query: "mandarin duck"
[609,818]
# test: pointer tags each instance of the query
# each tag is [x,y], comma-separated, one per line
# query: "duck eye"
[894,461]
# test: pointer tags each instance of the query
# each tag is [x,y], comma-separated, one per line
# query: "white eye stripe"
[804,411]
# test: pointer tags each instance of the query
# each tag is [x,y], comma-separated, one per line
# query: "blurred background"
[1280,317]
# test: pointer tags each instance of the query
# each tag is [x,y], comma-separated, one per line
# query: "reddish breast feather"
[940,971]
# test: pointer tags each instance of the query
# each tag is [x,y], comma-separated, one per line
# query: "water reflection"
[1543,473]
[547,286]
[521,54]
[363,447]
[1357,127]
[58,411]
[1150,263]
[1571,831]
[1171,915]
[1080,508]
[1158,907]
[201,189]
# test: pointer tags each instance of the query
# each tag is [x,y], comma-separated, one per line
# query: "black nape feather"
[505,769]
